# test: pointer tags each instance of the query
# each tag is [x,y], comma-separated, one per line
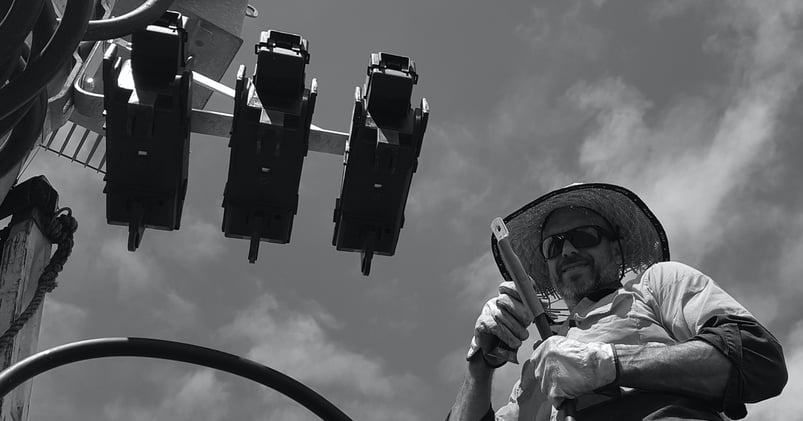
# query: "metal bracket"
[88,111]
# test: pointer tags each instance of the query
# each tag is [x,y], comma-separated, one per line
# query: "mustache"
[573,260]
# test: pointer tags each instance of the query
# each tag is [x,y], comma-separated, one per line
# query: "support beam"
[26,252]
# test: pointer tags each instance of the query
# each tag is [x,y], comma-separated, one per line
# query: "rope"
[60,232]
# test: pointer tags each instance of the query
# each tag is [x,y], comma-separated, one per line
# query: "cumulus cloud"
[61,323]
[452,366]
[297,345]
[701,148]
[142,280]
[791,265]
[196,241]
[177,311]
[455,179]
[135,272]
[565,32]
[199,395]
[476,282]
[665,9]
[380,411]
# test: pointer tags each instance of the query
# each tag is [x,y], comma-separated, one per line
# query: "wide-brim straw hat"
[642,237]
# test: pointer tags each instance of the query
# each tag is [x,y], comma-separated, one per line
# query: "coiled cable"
[26,70]
[21,89]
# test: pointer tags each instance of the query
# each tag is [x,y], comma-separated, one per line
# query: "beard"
[574,285]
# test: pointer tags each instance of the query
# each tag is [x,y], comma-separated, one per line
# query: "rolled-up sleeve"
[693,307]
[758,369]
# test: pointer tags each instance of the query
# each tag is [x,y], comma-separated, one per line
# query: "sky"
[695,106]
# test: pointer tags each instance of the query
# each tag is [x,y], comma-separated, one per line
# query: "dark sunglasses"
[581,237]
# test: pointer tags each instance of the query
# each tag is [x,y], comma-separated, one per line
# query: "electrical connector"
[147,101]
[380,159]
[269,140]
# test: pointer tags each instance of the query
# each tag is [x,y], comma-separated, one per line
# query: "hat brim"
[642,237]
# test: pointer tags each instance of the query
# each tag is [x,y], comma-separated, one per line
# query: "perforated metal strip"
[80,145]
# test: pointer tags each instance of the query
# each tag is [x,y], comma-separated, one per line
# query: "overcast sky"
[695,106]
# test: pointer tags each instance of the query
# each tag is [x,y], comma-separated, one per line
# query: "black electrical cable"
[15,27]
[168,350]
[23,100]
[24,135]
[44,29]
[58,51]
[23,125]
[26,71]
[132,21]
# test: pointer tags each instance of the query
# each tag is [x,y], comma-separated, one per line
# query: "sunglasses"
[581,237]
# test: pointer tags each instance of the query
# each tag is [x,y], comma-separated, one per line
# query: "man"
[665,342]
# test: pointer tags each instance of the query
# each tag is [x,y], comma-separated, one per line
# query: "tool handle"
[523,283]
[528,295]
[569,411]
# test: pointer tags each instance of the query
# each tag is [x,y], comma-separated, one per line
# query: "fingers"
[500,324]
[504,317]
[508,288]
[516,309]
[498,321]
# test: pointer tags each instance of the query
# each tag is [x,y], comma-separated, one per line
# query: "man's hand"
[564,368]
[504,318]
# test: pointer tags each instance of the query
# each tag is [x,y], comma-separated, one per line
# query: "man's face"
[577,272]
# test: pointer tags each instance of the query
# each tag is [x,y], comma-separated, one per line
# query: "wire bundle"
[27,68]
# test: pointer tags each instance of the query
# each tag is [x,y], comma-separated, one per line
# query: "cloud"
[452,367]
[702,148]
[665,9]
[566,32]
[380,411]
[176,312]
[61,323]
[196,241]
[135,272]
[620,112]
[680,156]
[140,278]
[356,411]
[453,177]
[199,395]
[791,264]
[297,345]
[476,282]
[292,413]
